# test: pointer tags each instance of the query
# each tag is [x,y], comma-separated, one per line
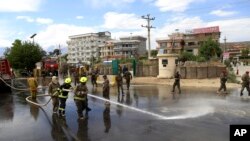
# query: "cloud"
[222,13]
[37,20]
[79,17]
[113,3]
[122,21]
[173,5]
[56,34]
[19,5]
[26,18]
[44,20]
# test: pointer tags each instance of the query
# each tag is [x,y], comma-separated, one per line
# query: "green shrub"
[232,77]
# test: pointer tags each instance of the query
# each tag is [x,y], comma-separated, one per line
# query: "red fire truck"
[50,66]
[5,73]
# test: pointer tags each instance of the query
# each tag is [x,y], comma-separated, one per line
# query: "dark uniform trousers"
[176,83]
[81,106]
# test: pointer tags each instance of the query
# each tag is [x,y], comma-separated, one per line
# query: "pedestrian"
[128,77]
[54,90]
[124,69]
[223,80]
[119,82]
[76,77]
[64,90]
[81,92]
[93,78]
[245,83]
[105,90]
[177,78]
[33,84]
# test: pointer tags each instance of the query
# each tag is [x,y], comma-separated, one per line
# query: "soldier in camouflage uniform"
[223,80]
[245,83]
[54,92]
[119,83]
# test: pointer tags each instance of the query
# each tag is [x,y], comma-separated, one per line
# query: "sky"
[54,20]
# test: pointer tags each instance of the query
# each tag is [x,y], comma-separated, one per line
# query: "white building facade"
[84,47]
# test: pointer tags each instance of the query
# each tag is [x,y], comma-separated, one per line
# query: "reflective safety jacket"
[64,94]
[81,92]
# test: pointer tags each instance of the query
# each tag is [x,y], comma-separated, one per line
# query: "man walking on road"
[223,80]
[245,83]
[128,77]
[119,82]
[177,78]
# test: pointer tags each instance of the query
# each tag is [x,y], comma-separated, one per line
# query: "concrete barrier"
[111,79]
[212,71]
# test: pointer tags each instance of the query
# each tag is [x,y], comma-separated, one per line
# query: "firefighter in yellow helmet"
[80,97]
[64,90]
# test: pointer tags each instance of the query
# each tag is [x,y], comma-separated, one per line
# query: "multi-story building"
[84,47]
[133,46]
[189,41]
[107,50]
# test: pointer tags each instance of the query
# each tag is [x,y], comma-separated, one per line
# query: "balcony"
[125,48]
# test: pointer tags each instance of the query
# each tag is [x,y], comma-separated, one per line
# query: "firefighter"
[64,90]
[128,77]
[223,80]
[54,92]
[119,82]
[105,90]
[80,96]
[245,83]
[177,78]
[33,86]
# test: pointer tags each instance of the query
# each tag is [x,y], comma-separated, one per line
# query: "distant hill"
[244,44]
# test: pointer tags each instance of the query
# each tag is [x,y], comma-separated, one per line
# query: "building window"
[191,43]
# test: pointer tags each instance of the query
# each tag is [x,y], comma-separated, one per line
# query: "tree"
[24,54]
[244,52]
[154,53]
[187,56]
[210,49]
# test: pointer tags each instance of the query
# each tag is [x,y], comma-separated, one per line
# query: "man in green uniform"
[119,83]
[245,83]
[128,77]
[54,93]
[177,78]
[223,80]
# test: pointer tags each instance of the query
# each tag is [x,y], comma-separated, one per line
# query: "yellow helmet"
[67,80]
[83,79]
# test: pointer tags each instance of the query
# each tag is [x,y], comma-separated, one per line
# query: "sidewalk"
[214,82]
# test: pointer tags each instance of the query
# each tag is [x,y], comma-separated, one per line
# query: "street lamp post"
[32,37]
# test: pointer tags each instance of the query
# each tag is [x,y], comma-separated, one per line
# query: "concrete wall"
[191,72]
[201,72]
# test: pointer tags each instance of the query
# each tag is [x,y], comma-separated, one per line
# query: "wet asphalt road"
[197,114]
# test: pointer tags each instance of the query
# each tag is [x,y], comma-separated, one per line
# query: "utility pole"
[148,26]
[225,47]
